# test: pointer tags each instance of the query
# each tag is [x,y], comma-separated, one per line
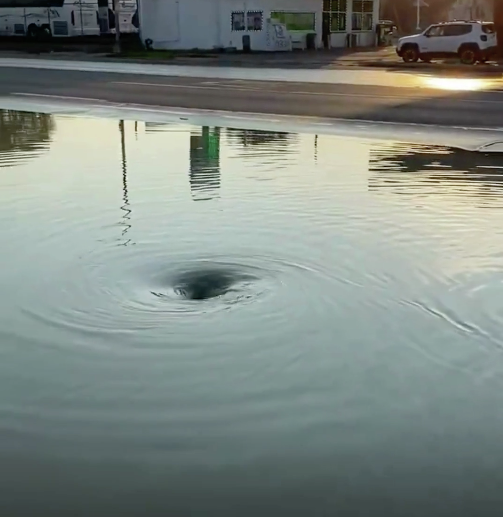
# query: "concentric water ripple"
[135,293]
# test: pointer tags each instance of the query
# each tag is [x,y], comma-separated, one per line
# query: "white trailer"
[128,16]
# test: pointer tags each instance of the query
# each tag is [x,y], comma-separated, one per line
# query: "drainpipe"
[246,20]
[218,25]
[117,44]
[139,5]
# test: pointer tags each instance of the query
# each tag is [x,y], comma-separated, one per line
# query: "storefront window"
[296,21]
[254,20]
[363,15]
[238,21]
[337,11]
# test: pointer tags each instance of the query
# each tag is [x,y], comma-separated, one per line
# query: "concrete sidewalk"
[296,59]
[316,59]
[383,58]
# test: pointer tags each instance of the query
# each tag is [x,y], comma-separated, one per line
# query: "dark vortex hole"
[203,285]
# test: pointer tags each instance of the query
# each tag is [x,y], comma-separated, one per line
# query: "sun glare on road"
[457,84]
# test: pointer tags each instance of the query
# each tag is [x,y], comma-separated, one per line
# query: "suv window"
[457,30]
[488,28]
[436,30]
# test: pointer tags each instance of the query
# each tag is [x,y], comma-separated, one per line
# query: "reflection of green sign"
[211,142]
[213,146]
[205,163]
[296,21]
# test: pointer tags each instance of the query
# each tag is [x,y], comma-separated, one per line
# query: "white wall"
[206,24]
[472,10]
[258,38]
[179,24]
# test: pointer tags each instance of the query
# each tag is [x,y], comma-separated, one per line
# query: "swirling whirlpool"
[209,281]
[134,298]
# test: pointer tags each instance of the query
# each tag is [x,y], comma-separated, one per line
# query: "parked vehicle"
[471,41]
[385,32]
[128,16]
[48,18]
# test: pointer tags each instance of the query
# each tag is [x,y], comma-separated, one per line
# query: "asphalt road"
[435,105]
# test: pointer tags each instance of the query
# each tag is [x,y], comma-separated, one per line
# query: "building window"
[254,20]
[363,15]
[303,22]
[337,13]
[238,21]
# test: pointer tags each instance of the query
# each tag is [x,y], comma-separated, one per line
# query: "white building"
[472,10]
[266,24]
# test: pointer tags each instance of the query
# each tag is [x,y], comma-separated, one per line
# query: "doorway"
[325,30]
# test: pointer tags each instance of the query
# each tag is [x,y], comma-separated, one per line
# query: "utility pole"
[117,44]
[419,4]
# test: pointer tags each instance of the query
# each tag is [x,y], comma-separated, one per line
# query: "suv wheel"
[410,54]
[469,55]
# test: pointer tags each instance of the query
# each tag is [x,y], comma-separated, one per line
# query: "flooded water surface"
[223,322]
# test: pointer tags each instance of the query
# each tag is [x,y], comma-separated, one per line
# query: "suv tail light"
[483,37]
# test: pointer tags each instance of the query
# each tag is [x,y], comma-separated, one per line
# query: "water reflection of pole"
[125,207]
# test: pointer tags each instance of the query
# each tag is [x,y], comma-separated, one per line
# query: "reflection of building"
[403,168]
[205,163]
[254,142]
[256,138]
[23,135]
[264,146]
[154,127]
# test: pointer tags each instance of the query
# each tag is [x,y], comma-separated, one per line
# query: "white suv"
[471,41]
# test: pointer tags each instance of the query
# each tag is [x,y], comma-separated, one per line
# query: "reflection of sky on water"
[451,197]
[371,339]
[444,186]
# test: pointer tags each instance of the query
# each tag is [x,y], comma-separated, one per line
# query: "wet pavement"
[357,95]
[370,77]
